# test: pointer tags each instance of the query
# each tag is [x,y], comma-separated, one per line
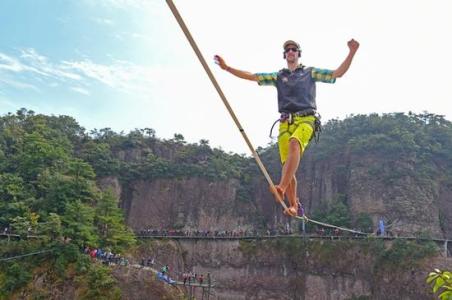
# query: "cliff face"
[369,184]
[134,284]
[137,284]
[395,168]
[296,269]
[380,188]
[189,203]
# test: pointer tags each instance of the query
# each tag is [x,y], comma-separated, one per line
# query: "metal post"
[303,226]
[209,283]
[445,248]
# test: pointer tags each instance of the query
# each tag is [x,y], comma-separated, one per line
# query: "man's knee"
[294,145]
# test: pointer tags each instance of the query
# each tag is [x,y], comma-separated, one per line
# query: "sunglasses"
[290,49]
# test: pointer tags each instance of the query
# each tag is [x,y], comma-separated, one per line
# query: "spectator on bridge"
[300,211]
[93,253]
[165,269]
[201,278]
[381,227]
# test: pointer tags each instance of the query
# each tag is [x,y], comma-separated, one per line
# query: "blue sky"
[89,59]
[125,64]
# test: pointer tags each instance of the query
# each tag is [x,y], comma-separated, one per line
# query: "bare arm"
[239,73]
[353,46]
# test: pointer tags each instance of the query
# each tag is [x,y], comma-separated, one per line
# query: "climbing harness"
[289,117]
[236,121]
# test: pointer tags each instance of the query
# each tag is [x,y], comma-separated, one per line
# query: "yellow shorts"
[301,129]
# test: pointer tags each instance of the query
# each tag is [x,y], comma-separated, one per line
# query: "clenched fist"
[353,45]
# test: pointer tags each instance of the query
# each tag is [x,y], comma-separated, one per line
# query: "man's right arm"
[239,73]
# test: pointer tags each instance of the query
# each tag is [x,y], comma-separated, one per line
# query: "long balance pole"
[223,98]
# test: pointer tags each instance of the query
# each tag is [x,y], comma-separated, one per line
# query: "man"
[381,227]
[296,103]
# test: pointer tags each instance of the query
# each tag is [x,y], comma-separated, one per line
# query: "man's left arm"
[353,47]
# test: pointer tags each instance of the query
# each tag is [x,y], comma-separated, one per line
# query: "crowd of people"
[318,231]
[212,233]
[163,273]
[106,256]
[190,278]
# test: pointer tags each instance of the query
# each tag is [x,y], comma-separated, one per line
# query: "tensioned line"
[236,121]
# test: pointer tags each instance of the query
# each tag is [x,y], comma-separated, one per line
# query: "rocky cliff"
[291,268]
[409,205]
[393,167]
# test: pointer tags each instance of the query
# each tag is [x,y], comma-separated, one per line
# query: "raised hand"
[353,45]
[220,61]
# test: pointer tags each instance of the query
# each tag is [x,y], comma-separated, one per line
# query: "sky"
[126,64]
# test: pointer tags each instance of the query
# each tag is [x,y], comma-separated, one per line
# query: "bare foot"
[277,191]
[292,210]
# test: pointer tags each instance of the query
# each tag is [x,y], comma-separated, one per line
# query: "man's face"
[291,52]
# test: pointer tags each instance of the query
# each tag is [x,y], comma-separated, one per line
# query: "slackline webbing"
[236,121]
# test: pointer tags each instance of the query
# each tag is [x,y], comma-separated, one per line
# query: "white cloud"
[123,76]
[103,21]
[40,65]
[122,4]
[10,64]
[81,91]
[120,75]
[18,84]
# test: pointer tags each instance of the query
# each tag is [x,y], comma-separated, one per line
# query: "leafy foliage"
[405,254]
[49,164]
[48,188]
[441,282]
[364,222]
[338,214]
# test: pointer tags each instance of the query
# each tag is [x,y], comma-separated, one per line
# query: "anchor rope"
[237,122]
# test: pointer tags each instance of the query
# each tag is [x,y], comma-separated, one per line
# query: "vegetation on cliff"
[372,260]
[49,166]
[441,282]
[48,190]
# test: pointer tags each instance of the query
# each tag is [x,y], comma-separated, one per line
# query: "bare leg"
[288,175]
[292,193]
[291,165]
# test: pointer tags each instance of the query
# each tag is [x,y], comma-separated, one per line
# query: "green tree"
[101,285]
[100,157]
[13,198]
[441,282]
[110,223]
[52,228]
[15,277]
[78,224]
[364,222]
[338,215]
